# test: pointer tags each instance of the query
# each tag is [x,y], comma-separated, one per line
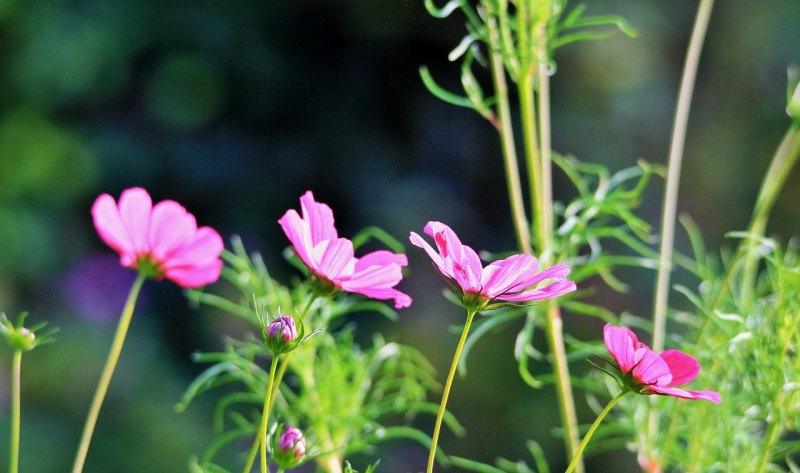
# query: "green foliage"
[348,398]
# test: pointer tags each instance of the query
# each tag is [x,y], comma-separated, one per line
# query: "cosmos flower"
[161,241]
[331,260]
[513,279]
[646,372]
[292,440]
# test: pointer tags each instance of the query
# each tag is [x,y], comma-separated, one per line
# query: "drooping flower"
[513,279]
[646,372]
[332,260]
[161,241]
[292,441]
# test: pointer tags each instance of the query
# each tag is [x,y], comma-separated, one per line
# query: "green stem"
[446,393]
[262,434]
[531,148]
[261,437]
[108,371]
[545,161]
[670,204]
[16,373]
[674,171]
[594,427]
[772,435]
[507,140]
[781,167]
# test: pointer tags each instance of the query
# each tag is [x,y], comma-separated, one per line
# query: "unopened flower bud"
[282,327]
[292,441]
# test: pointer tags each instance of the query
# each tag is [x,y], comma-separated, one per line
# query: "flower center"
[148,266]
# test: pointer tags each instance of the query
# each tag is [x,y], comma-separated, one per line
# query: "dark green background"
[236,107]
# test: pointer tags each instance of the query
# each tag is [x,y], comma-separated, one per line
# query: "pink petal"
[401,300]
[650,368]
[171,227]
[195,276]
[134,209]
[417,241]
[551,291]
[446,240]
[467,269]
[203,249]
[683,367]
[319,218]
[335,257]
[297,232]
[620,342]
[108,224]
[380,258]
[506,275]
[374,276]
[711,396]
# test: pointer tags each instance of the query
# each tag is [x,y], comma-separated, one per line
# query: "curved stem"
[674,171]
[16,372]
[108,371]
[594,427]
[446,393]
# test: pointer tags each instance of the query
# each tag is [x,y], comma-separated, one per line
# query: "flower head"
[22,338]
[332,261]
[647,372]
[291,440]
[283,328]
[161,241]
[514,279]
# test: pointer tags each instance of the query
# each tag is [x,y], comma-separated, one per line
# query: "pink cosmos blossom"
[331,259]
[513,279]
[159,241]
[646,372]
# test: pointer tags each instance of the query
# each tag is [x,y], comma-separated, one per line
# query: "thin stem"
[108,371]
[594,427]
[772,435]
[670,203]
[265,416]
[16,373]
[507,140]
[545,162]
[674,171]
[446,393]
[532,158]
[566,401]
[781,167]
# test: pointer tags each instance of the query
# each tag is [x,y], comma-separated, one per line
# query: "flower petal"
[650,368]
[171,227]
[711,396]
[296,230]
[419,242]
[195,276]
[319,218]
[620,342]
[683,367]
[111,230]
[134,209]
[380,258]
[506,275]
[336,260]
[556,289]
[204,248]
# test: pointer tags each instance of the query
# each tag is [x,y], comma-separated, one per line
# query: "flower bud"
[292,441]
[282,327]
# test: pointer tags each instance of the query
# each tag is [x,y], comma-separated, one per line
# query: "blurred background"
[235,108]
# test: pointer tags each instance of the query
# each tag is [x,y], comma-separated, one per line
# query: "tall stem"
[108,371]
[532,159]
[779,170]
[262,434]
[507,140]
[674,171]
[545,161]
[16,372]
[594,427]
[437,427]
[771,436]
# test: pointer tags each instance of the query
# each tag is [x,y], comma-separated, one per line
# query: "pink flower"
[331,259]
[646,372]
[159,241]
[292,440]
[513,279]
[282,327]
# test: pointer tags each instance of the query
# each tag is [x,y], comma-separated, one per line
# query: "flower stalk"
[108,371]
[597,422]
[446,393]
[16,374]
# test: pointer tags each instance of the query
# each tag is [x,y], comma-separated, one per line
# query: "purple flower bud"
[292,439]
[284,326]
